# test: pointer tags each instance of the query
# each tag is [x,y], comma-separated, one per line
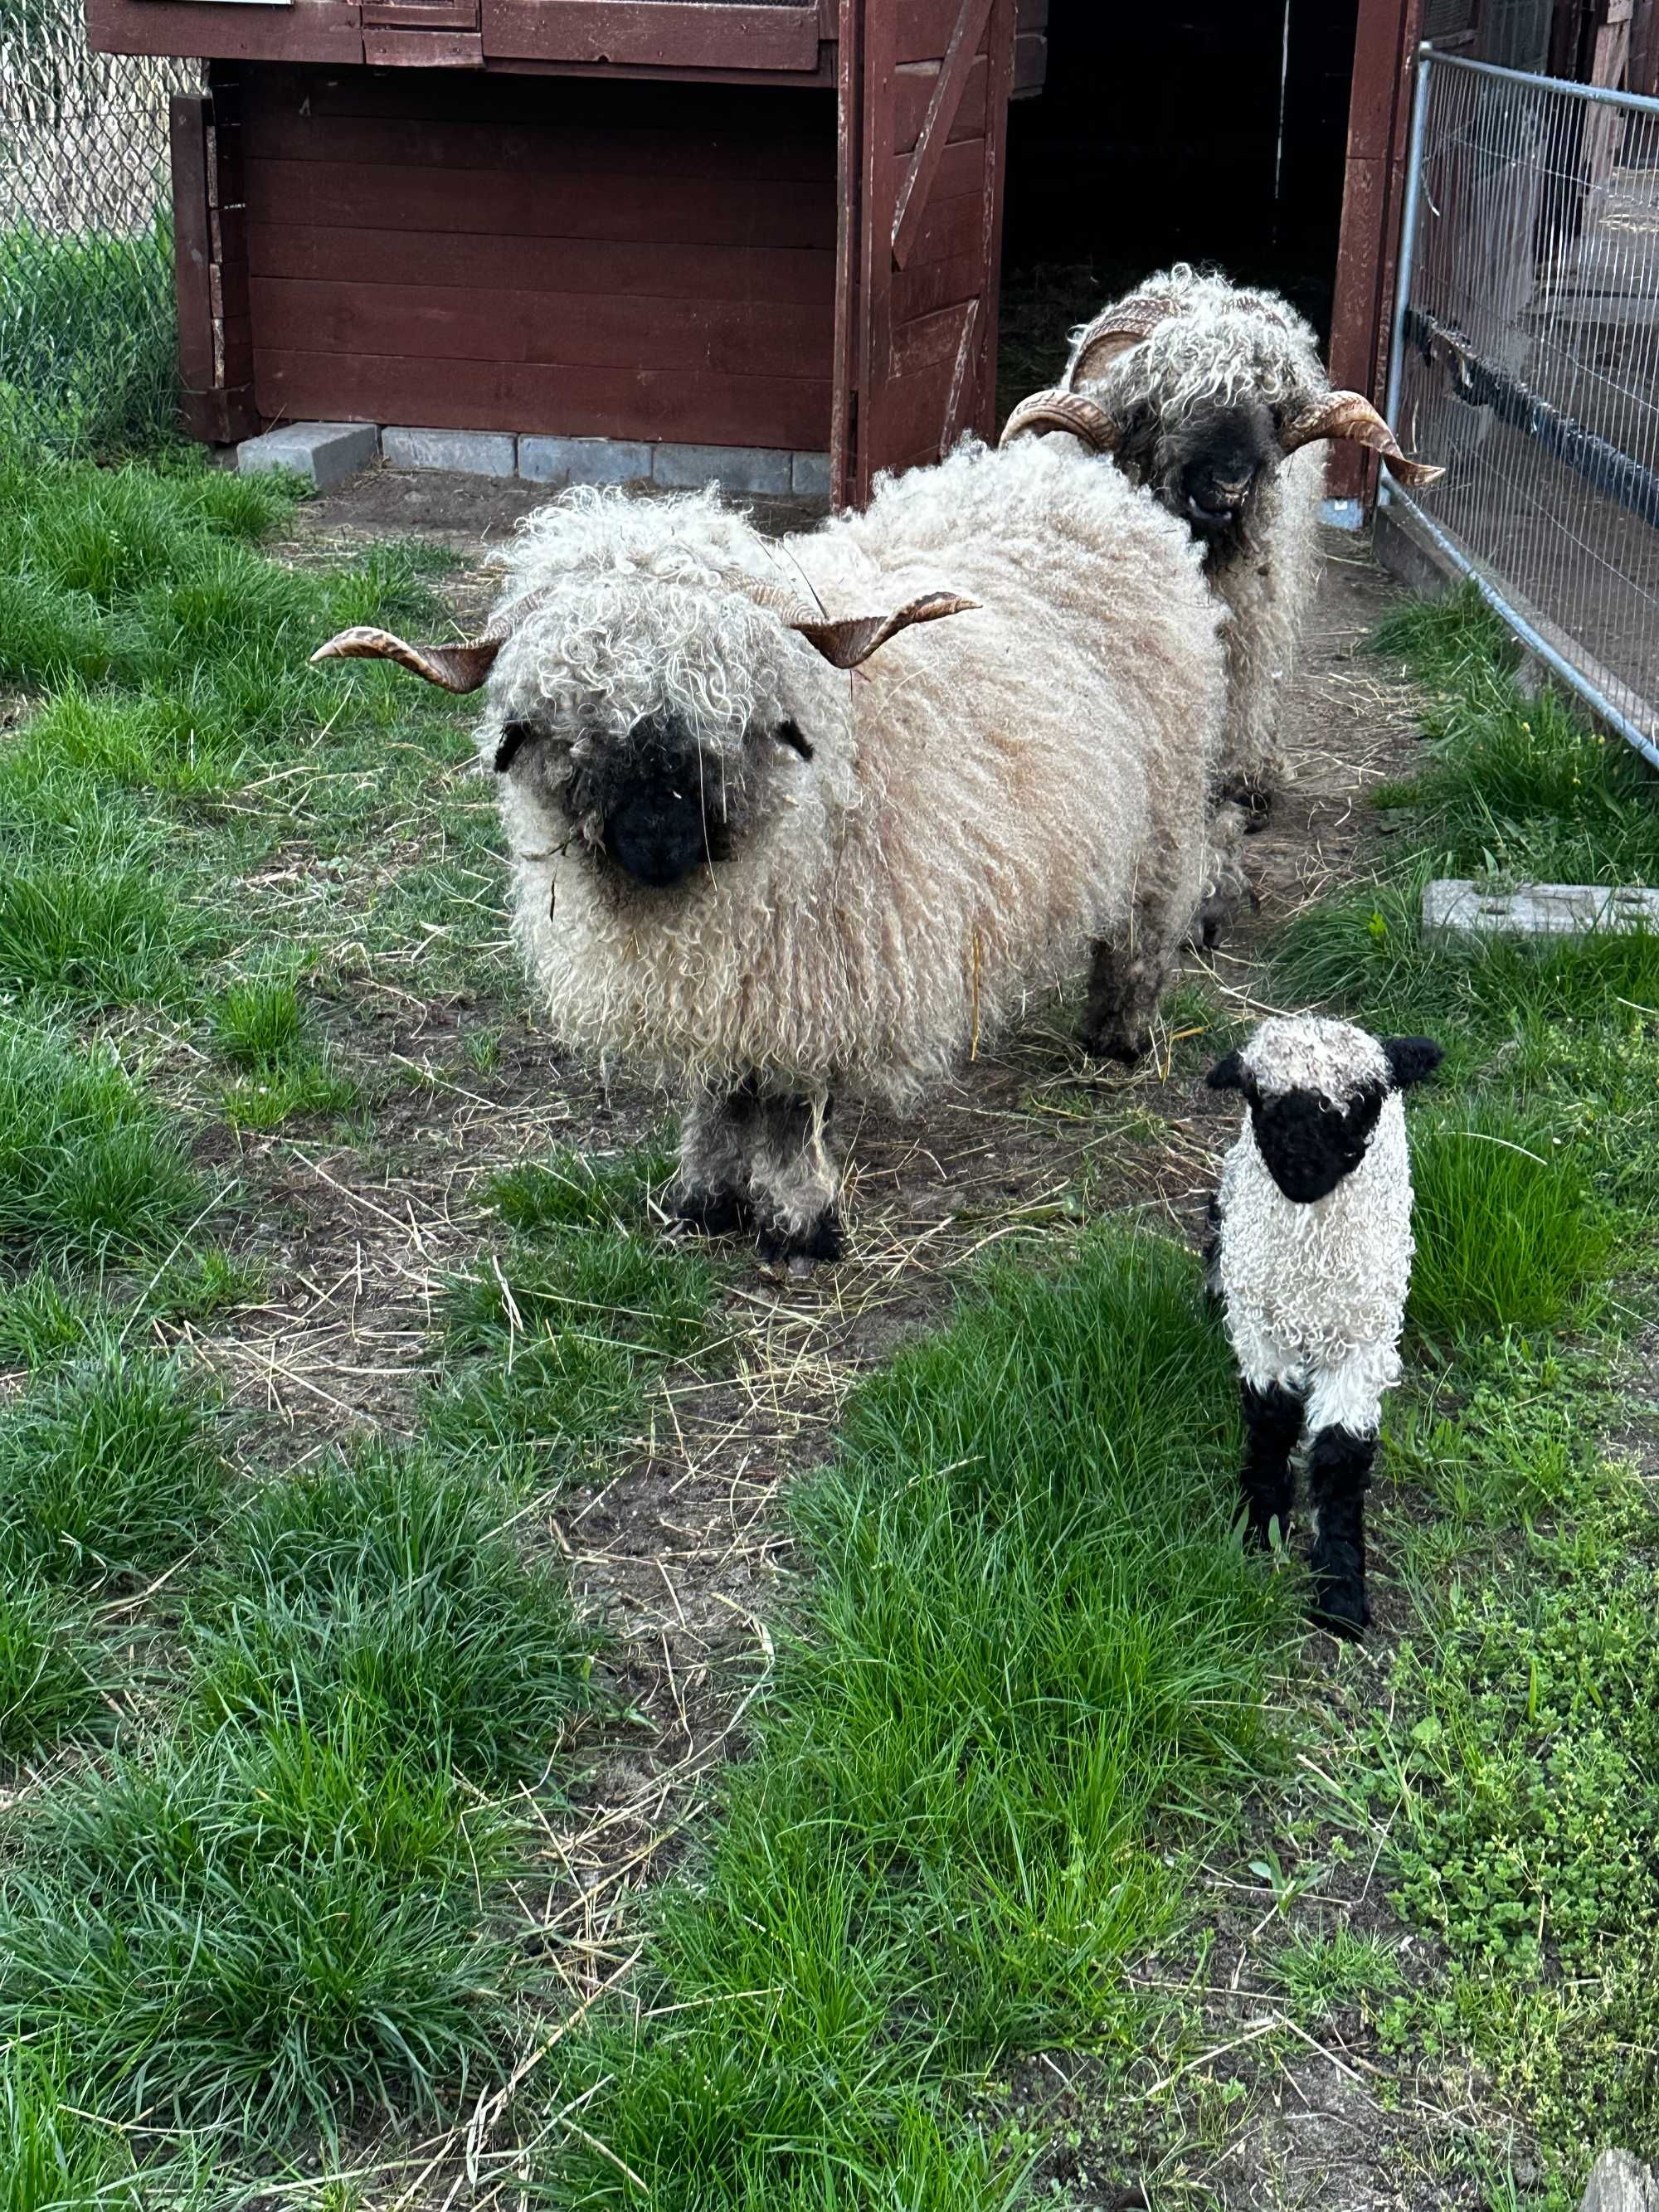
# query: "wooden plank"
[950,83]
[1378,119]
[922,28]
[308,30]
[699,211]
[444,50]
[931,341]
[421,15]
[788,279]
[959,170]
[650,404]
[679,33]
[302,131]
[193,260]
[850,183]
[913,93]
[724,337]
[924,288]
[1000,44]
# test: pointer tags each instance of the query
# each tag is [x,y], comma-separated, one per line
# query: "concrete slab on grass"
[467,453]
[325,452]
[1455,909]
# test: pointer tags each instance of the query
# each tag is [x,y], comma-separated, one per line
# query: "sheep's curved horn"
[1348,415]
[1115,331]
[1063,411]
[461,667]
[846,643]
[777,598]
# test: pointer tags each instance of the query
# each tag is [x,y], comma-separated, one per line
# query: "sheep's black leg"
[1272,1422]
[1339,1473]
[1212,1246]
[711,1192]
[793,1182]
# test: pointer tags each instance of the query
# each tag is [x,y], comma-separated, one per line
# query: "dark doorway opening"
[1204,130]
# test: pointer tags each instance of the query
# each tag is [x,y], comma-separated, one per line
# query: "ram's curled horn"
[790,606]
[461,667]
[846,642]
[1115,332]
[1346,416]
[1063,411]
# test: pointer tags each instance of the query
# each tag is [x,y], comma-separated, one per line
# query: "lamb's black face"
[1212,465]
[1307,1143]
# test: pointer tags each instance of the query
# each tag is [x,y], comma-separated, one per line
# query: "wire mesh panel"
[1527,361]
[86,319]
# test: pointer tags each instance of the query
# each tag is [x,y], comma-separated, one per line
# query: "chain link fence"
[86,319]
[1526,359]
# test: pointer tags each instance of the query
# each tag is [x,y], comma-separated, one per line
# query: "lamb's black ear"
[1411,1059]
[1227,1074]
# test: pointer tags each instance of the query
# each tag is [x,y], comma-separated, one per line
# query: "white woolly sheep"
[1311,1254]
[772,874]
[1215,397]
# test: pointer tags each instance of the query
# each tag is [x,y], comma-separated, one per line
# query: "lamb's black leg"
[1339,1473]
[1272,1422]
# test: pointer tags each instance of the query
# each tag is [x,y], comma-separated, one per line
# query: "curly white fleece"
[1316,1294]
[987,796]
[1223,343]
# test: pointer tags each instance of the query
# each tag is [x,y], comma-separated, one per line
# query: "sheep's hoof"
[1255,802]
[1341,1607]
[801,1250]
[1115,1044]
[710,1213]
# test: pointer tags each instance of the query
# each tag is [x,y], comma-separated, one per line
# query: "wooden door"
[924,93]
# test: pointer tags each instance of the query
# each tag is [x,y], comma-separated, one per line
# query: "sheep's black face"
[1210,467]
[1308,1142]
[652,803]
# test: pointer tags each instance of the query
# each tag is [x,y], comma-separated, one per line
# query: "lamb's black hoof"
[710,1213]
[1257,805]
[802,1249]
[1341,1607]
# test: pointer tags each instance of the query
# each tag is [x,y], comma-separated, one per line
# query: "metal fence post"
[1402,281]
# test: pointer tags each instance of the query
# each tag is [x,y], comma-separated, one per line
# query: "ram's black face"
[1309,1143]
[1211,467]
[653,806]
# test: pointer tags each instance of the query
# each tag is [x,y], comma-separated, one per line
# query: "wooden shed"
[771,225]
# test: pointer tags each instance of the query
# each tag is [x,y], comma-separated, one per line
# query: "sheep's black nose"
[660,836]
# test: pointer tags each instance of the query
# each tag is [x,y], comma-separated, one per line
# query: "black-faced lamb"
[1215,397]
[776,872]
[1311,1255]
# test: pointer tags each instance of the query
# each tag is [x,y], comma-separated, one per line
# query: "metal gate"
[1526,358]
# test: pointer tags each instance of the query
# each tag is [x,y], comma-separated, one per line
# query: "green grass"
[91,1168]
[1320,1972]
[1510,1233]
[572,1190]
[389,1594]
[109,1469]
[44,1322]
[88,344]
[1030,1670]
[565,1333]
[1515,786]
[54,2156]
[262,1929]
[54,1671]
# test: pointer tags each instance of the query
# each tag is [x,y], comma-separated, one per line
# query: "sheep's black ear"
[514,735]
[1411,1058]
[1227,1074]
[788,733]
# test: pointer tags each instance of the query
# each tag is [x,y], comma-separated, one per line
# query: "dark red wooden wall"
[589,258]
